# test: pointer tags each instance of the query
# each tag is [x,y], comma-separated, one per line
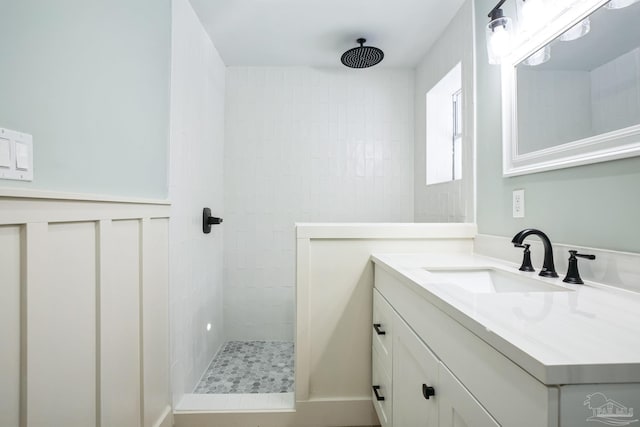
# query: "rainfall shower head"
[362,56]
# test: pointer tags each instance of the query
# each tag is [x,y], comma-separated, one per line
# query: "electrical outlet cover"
[518,203]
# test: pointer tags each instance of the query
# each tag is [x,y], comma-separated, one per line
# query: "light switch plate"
[5,153]
[20,155]
[518,203]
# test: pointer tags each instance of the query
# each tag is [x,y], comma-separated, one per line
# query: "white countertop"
[589,334]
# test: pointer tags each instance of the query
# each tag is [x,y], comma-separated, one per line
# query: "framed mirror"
[571,93]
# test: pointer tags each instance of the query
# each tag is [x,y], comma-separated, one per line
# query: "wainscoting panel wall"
[155,320]
[119,245]
[61,323]
[9,325]
[83,311]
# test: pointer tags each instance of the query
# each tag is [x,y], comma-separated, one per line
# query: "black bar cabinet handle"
[375,391]
[377,327]
[427,391]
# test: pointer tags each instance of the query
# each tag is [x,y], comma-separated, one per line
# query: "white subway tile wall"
[196,181]
[305,145]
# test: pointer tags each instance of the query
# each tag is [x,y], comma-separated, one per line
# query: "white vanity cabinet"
[473,384]
[490,365]
[420,391]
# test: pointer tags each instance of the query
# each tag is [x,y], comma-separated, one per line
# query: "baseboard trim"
[314,413]
[248,402]
[166,419]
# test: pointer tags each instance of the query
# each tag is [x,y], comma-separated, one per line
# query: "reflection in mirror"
[589,86]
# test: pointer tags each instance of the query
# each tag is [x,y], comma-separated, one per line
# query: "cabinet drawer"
[382,330]
[382,382]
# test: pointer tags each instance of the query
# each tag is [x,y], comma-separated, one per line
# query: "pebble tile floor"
[250,367]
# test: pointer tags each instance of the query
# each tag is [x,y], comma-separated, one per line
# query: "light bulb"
[579,30]
[539,57]
[498,34]
[500,41]
[619,4]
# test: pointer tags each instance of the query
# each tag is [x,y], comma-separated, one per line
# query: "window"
[444,129]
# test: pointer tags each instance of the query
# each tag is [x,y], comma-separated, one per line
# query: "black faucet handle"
[585,256]
[526,257]
[573,276]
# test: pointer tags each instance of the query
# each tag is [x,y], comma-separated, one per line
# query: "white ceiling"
[317,32]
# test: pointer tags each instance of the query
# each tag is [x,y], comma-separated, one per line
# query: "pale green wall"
[595,205]
[90,81]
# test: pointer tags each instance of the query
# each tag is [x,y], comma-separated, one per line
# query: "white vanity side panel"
[579,401]
[10,325]
[61,324]
[512,396]
[334,304]
[155,320]
[119,272]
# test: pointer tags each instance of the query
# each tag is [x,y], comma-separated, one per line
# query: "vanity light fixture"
[498,32]
[531,14]
[619,4]
[579,30]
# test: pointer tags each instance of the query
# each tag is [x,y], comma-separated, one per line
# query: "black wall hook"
[207,220]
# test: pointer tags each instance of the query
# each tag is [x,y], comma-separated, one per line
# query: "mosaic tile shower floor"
[250,367]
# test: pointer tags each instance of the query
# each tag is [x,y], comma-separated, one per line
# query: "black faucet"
[548,268]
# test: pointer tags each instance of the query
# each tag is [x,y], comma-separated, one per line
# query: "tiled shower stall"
[264,148]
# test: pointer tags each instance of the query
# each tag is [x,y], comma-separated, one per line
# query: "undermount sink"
[490,281]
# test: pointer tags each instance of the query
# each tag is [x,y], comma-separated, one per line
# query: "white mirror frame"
[613,145]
